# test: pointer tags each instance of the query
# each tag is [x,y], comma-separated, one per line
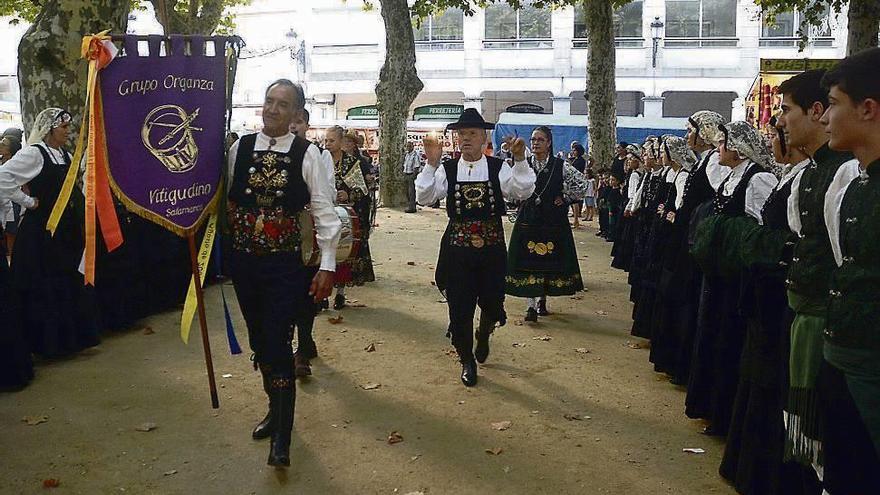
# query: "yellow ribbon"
[87,52]
[189,307]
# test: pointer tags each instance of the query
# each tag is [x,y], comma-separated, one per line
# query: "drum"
[349,237]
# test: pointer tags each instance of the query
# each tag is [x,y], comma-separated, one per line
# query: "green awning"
[366,112]
[438,112]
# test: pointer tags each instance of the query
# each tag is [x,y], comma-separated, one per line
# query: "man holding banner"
[273,176]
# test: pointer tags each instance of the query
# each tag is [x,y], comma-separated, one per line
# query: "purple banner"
[164,117]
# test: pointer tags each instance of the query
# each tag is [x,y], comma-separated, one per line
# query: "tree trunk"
[601,90]
[863,18]
[398,86]
[195,20]
[51,72]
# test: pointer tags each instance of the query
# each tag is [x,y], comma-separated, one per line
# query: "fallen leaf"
[51,483]
[415,458]
[518,344]
[227,375]
[577,298]
[602,313]
[582,350]
[35,420]
[170,473]
[148,331]
[694,451]
[415,493]
[433,283]
[518,323]
[370,386]
[501,425]
[495,451]
[411,263]
[146,427]
[576,417]
[370,348]
[543,338]
[335,320]
[394,437]
[633,345]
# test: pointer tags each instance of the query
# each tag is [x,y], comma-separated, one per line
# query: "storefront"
[764,100]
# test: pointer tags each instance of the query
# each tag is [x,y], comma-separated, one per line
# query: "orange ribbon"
[97,183]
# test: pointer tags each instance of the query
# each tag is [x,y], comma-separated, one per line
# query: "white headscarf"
[706,123]
[46,120]
[741,137]
[679,151]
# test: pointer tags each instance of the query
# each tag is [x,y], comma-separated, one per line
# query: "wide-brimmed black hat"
[470,118]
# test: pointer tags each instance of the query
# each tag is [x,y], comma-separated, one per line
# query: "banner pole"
[203,321]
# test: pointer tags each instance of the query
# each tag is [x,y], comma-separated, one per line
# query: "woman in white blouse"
[58,312]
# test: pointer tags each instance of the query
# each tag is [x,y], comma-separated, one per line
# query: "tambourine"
[349,237]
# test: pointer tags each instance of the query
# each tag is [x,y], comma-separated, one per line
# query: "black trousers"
[305,320]
[410,180]
[475,277]
[851,463]
[270,290]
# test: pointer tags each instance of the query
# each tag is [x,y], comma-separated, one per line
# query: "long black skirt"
[718,342]
[645,303]
[16,366]
[621,252]
[59,314]
[753,457]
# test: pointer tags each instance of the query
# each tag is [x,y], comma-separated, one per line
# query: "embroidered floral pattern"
[476,233]
[561,282]
[262,230]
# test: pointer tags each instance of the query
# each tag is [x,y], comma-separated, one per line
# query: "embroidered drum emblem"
[168,134]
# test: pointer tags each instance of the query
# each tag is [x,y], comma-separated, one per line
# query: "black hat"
[470,118]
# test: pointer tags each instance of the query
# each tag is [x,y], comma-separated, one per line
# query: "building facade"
[707,55]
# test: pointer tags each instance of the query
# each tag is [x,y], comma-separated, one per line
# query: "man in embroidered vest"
[473,256]
[849,381]
[274,175]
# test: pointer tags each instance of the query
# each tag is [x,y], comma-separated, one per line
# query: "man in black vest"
[473,256]
[849,382]
[274,175]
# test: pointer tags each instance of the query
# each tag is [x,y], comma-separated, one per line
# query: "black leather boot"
[481,352]
[284,401]
[264,427]
[339,301]
[531,315]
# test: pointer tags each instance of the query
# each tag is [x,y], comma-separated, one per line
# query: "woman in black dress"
[721,327]
[58,311]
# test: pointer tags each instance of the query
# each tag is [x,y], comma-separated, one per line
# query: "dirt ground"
[580,422]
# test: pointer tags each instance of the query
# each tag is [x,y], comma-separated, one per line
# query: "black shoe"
[264,427]
[469,373]
[284,393]
[339,301]
[302,367]
[325,304]
[542,308]
[409,211]
[531,315]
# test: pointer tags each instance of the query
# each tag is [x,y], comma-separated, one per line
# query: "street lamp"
[656,35]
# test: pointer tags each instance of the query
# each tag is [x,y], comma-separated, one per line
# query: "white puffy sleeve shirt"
[320,181]
[757,191]
[846,174]
[21,169]
[517,182]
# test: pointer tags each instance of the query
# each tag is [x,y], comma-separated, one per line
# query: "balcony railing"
[792,41]
[528,44]
[345,48]
[699,42]
[439,45]
[619,42]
